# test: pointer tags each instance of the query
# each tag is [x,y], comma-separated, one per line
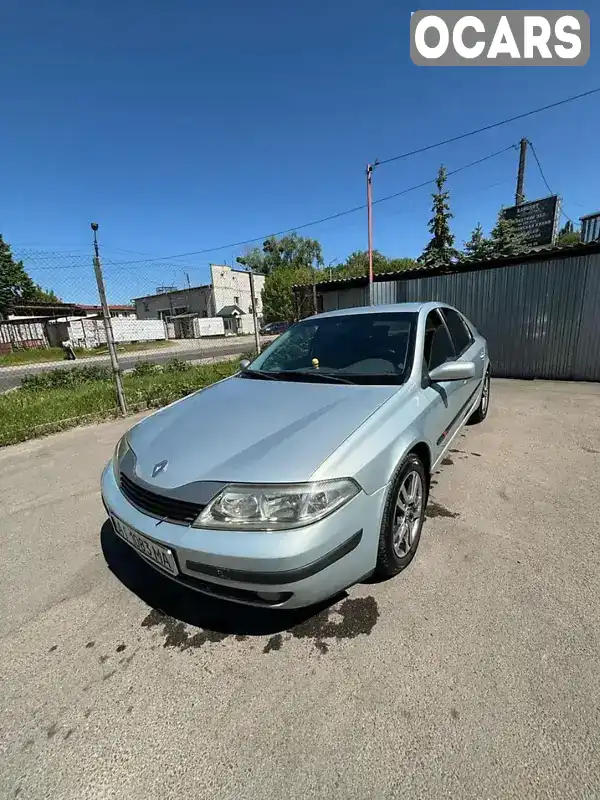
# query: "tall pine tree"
[440,251]
[478,247]
[15,284]
[505,237]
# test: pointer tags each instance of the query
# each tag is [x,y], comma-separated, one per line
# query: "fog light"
[272,597]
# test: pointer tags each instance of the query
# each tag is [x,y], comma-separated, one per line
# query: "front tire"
[481,411]
[403,517]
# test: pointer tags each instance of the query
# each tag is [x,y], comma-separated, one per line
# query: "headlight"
[276,507]
[121,451]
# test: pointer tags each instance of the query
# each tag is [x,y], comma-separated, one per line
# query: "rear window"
[461,335]
[439,347]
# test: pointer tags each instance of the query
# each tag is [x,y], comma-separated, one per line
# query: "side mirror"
[453,371]
[244,363]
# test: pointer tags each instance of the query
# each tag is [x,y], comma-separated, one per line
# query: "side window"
[461,335]
[438,345]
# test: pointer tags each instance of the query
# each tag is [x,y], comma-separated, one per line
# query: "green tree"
[289,251]
[285,261]
[478,247]
[568,234]
[357,265]
[505,237]
[440,251]
[15,284]
[400,264]
[277,294]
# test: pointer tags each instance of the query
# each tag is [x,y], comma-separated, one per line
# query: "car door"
[466,350]
[444,398]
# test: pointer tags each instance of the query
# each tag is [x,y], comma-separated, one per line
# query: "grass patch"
[40,355]
[50,403]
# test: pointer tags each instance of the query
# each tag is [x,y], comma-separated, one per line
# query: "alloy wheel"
[407,513]
[485,394]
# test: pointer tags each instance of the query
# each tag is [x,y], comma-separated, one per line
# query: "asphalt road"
[11,377]
[474,674]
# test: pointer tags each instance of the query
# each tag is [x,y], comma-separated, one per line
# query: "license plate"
[156,553]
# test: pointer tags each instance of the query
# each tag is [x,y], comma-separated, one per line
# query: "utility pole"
[370,168]
[520,195]
[254,314]
[189,297]
[110,341]
[314,291]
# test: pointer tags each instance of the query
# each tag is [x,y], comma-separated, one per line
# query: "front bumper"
[283,569]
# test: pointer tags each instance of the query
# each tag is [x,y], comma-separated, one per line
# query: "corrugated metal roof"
[529,254]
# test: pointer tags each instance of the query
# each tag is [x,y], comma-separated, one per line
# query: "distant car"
[310,468]
[274,328]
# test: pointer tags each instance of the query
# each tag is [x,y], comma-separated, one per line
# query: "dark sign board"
[537,221]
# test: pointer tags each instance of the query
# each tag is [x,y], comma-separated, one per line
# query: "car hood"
[252,431]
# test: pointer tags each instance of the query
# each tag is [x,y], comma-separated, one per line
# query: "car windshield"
[368,348]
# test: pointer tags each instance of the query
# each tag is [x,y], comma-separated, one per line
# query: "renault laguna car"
[309,469]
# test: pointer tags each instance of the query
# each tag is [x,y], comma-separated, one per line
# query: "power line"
[488,127]
[450,172]
[314,222]
[385,161]
[378,163]
[537,161]
[450,140]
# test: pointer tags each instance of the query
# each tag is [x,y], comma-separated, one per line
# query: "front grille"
[157,505]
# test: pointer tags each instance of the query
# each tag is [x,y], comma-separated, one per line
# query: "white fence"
[90,333]
[20,334]
[209,326]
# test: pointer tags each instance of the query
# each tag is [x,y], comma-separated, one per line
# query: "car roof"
[389,308]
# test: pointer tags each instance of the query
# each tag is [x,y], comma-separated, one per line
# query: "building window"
[146,307]
[182,310]
[163,313]
[236,300]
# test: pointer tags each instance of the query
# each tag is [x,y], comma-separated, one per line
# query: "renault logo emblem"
[158,468]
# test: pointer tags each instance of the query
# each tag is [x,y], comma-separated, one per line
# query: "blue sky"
[187,125]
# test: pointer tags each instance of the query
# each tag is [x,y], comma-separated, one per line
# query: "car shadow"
[193,608]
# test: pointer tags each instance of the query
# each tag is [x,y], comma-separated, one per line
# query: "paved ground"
[472,675]
[190,350]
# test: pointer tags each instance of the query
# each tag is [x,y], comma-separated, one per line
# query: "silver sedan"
[309,469]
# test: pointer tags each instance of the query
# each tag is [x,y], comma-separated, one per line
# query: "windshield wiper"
[286,374]
[257,373]
[316,375]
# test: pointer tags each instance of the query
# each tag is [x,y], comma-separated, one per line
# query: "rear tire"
[482,409]
[403,516]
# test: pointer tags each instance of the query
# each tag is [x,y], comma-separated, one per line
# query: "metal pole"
[254,314]
[333,260]
[110,341]
[314,291]
[520,196]
[370,227]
